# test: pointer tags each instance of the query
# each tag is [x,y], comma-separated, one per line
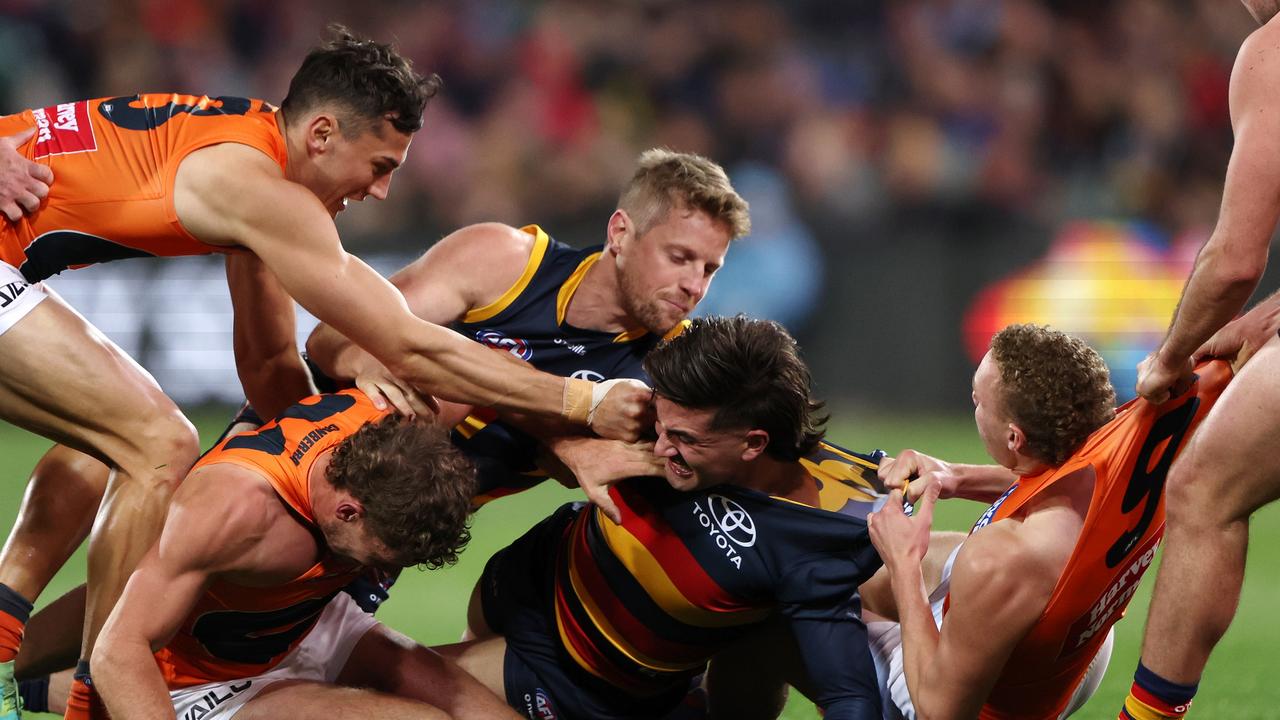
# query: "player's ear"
[321,131]
[349,511]
[619,230]
[757,441]
[1015,438]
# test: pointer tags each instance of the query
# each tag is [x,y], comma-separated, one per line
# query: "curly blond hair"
[1054,386]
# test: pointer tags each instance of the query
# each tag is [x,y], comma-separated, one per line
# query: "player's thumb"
[21,136]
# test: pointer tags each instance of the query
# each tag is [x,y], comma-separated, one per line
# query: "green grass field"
[430,606]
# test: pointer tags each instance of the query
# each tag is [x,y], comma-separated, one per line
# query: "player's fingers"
[599,496]
[29,202]
[44,174]
[924,508]
[397,398]
[11,211]
[373,392]
[20,137]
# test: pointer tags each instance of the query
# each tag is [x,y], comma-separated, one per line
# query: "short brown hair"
[664,179]
[365,80]
[415,486]
[750,372]
[1055,387]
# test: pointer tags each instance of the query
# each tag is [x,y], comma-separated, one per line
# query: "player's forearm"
[335,354]
[447,365]
[1220,284]
[919,634]
[275,384]
[127,678]
[983,483]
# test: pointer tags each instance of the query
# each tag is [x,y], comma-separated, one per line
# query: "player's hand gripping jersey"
[1128,459]
[612,621]
[114,161]
[237,631]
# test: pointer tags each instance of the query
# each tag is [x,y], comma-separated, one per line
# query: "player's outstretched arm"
[235,195]
[1230,264]
[23,183]
[264,335]
[467,269]
[214,523]
[914,473]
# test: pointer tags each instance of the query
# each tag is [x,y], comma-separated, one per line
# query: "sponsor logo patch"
[538,705]
[64,129]
[728,524]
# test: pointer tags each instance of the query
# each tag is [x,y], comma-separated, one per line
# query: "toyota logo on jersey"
[733,519]
[515,346]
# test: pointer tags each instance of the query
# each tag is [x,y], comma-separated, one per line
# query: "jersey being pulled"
[236,631]
[528,320]
[1128,459]
[114,161]
[643,605]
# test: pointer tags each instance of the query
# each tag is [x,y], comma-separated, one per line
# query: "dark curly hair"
[416,488]
[1055,387]
[366,80]
[750,372]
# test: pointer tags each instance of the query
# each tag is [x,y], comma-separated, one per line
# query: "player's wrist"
[576,406]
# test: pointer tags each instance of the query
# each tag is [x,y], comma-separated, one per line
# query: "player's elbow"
[1234,269]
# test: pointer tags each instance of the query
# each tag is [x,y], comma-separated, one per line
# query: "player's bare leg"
[877,594]
[63,379]
[57,512]
[386,661]
[320,701]
[1224,475]
[52,642]
[482,659]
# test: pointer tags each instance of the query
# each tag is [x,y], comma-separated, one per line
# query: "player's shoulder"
[221,511]
[1006,559]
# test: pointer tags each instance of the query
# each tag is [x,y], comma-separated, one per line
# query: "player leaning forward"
[164,174]
[1016,626]
[261,538]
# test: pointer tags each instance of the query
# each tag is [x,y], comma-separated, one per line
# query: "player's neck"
[294,150]
[596,303]
[783,478]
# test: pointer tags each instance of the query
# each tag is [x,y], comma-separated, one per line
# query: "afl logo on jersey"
[515,346]
[591,375]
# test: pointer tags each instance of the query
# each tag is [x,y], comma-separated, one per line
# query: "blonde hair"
[664,179]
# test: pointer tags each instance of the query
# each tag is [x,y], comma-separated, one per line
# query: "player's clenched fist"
[23,184]
[914,472]
[621,409]
[1159,380]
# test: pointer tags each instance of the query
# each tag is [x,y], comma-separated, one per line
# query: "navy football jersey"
[643,604]
[528,321]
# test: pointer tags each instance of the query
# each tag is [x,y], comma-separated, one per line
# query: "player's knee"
[166,449]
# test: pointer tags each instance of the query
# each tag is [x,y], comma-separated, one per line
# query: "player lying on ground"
[260,539]
[1019,624]
[756,518]
[164,174]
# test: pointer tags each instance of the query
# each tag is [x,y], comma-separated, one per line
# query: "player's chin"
[682,481]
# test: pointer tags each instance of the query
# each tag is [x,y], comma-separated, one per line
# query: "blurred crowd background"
[919,171]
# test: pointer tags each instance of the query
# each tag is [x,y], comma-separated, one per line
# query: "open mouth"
[678,467]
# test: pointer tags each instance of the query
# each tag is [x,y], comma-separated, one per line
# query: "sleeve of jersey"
[819,598]
[837,660]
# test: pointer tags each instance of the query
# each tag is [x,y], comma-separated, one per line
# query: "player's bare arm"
[23,183]
[998,590]
[208,530]
[467,269]
[1230,264]
[913,472]
[289,229]
[264,336]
